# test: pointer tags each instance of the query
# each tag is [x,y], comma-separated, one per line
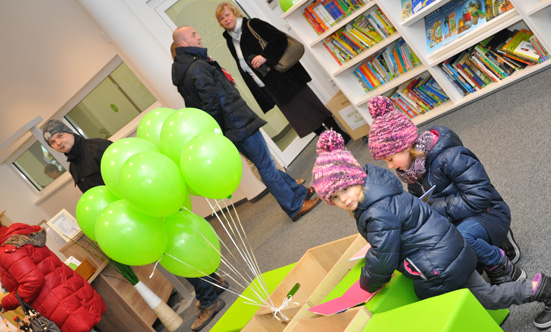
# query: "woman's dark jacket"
[85,161]
[283,86]
[463,188]
[203,85]
[400,227]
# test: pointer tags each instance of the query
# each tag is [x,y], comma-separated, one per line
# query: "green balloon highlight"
[286,4]
[128,236]
[116,155]
[192,240]
[153,184]
[151,124]
[211,166]
[90,205]
[182,126]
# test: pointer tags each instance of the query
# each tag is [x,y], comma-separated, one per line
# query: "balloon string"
[275,311]
[155,266]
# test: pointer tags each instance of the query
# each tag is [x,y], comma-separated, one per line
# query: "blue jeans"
[283,187]
[476,235]
[204,291]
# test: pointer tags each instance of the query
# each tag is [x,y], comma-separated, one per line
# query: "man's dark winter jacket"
[407,235]
[463,188]
[85,161]
[203,85]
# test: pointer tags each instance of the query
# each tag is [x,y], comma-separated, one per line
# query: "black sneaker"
[505,272]
[543,294]
[510,247]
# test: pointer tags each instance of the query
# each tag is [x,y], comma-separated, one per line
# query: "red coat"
[44,281]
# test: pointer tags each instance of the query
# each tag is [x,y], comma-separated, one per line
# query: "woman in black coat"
[288,90]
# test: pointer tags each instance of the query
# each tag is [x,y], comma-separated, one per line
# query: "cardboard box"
[318,272]
[347,116]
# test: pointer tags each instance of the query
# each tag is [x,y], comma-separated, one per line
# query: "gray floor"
[509,132]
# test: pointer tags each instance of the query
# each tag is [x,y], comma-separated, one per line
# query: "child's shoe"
[505,272]
[511,247]
[542,293]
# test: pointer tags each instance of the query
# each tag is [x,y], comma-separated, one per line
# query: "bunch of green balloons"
[143,213]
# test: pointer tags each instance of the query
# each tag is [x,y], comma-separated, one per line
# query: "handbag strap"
[26,307]
[256,35]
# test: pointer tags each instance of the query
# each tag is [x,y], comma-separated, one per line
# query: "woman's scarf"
[424,144]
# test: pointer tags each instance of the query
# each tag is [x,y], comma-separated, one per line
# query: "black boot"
[511,247]
[505,272]
[543,294]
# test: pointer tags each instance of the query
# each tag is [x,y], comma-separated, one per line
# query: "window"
[109,102]
[119,98]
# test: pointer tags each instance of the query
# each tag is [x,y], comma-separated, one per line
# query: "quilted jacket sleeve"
[473,189]
[383,232]
[28,278]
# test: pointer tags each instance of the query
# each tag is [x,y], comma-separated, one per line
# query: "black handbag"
[37,321]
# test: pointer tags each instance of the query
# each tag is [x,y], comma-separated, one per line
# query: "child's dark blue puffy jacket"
[407,235]
[463,189]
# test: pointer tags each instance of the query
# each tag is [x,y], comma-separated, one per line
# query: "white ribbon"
[288,300]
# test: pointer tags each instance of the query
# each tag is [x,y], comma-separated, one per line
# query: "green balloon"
[192,240]
[182,126]
[211,166]
[128,236]
[286,4]
[116,155]
[90,205]
[151,124]
[153,184]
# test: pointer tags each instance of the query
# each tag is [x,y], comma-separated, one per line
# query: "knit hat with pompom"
[391,131]
[335,167]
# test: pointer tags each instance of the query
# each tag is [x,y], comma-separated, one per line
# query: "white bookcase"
[532,14]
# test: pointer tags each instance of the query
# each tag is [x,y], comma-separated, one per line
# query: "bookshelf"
[526,14]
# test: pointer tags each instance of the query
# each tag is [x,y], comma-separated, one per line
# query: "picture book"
[449,20]
[527,51]
[352,297]
[433,28]
[470,15]
[513,42]
[406,9]
[418,5]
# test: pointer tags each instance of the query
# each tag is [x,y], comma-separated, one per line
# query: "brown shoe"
[309,192]
[222,283]
[307,206]
[300,181]
[206,315]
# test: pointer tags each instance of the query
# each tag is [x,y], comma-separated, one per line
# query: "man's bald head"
[186,36]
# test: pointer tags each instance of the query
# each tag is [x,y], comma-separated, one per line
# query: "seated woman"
[43,281]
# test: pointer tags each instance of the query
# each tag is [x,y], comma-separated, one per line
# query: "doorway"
[282,140]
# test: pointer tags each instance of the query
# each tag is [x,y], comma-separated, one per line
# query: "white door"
[284,143]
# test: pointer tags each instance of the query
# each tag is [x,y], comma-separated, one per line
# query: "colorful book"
[527,51]
[433,28]
[449,21]
[470,14]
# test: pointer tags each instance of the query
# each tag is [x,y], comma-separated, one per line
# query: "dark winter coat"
[203,85]
[463,188]
[282,85]
[279,88]
[85,161]
[401,228]
[45,282]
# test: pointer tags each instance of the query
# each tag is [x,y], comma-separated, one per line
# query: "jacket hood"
[185,56]
[19,235]
[446,139]
[380,183]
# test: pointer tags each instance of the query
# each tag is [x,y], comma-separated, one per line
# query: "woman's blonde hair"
[222,6]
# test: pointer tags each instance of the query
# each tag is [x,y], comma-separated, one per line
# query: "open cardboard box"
[347,116]
[318,271]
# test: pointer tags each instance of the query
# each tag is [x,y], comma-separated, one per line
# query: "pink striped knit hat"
[335,167]
[391,131]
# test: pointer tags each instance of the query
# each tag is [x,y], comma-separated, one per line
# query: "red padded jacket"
[42,280]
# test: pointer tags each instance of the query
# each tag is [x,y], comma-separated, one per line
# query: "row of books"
[493,59]
[418,96]
[322,14]
[459,17]
[358,35]
[384,65]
